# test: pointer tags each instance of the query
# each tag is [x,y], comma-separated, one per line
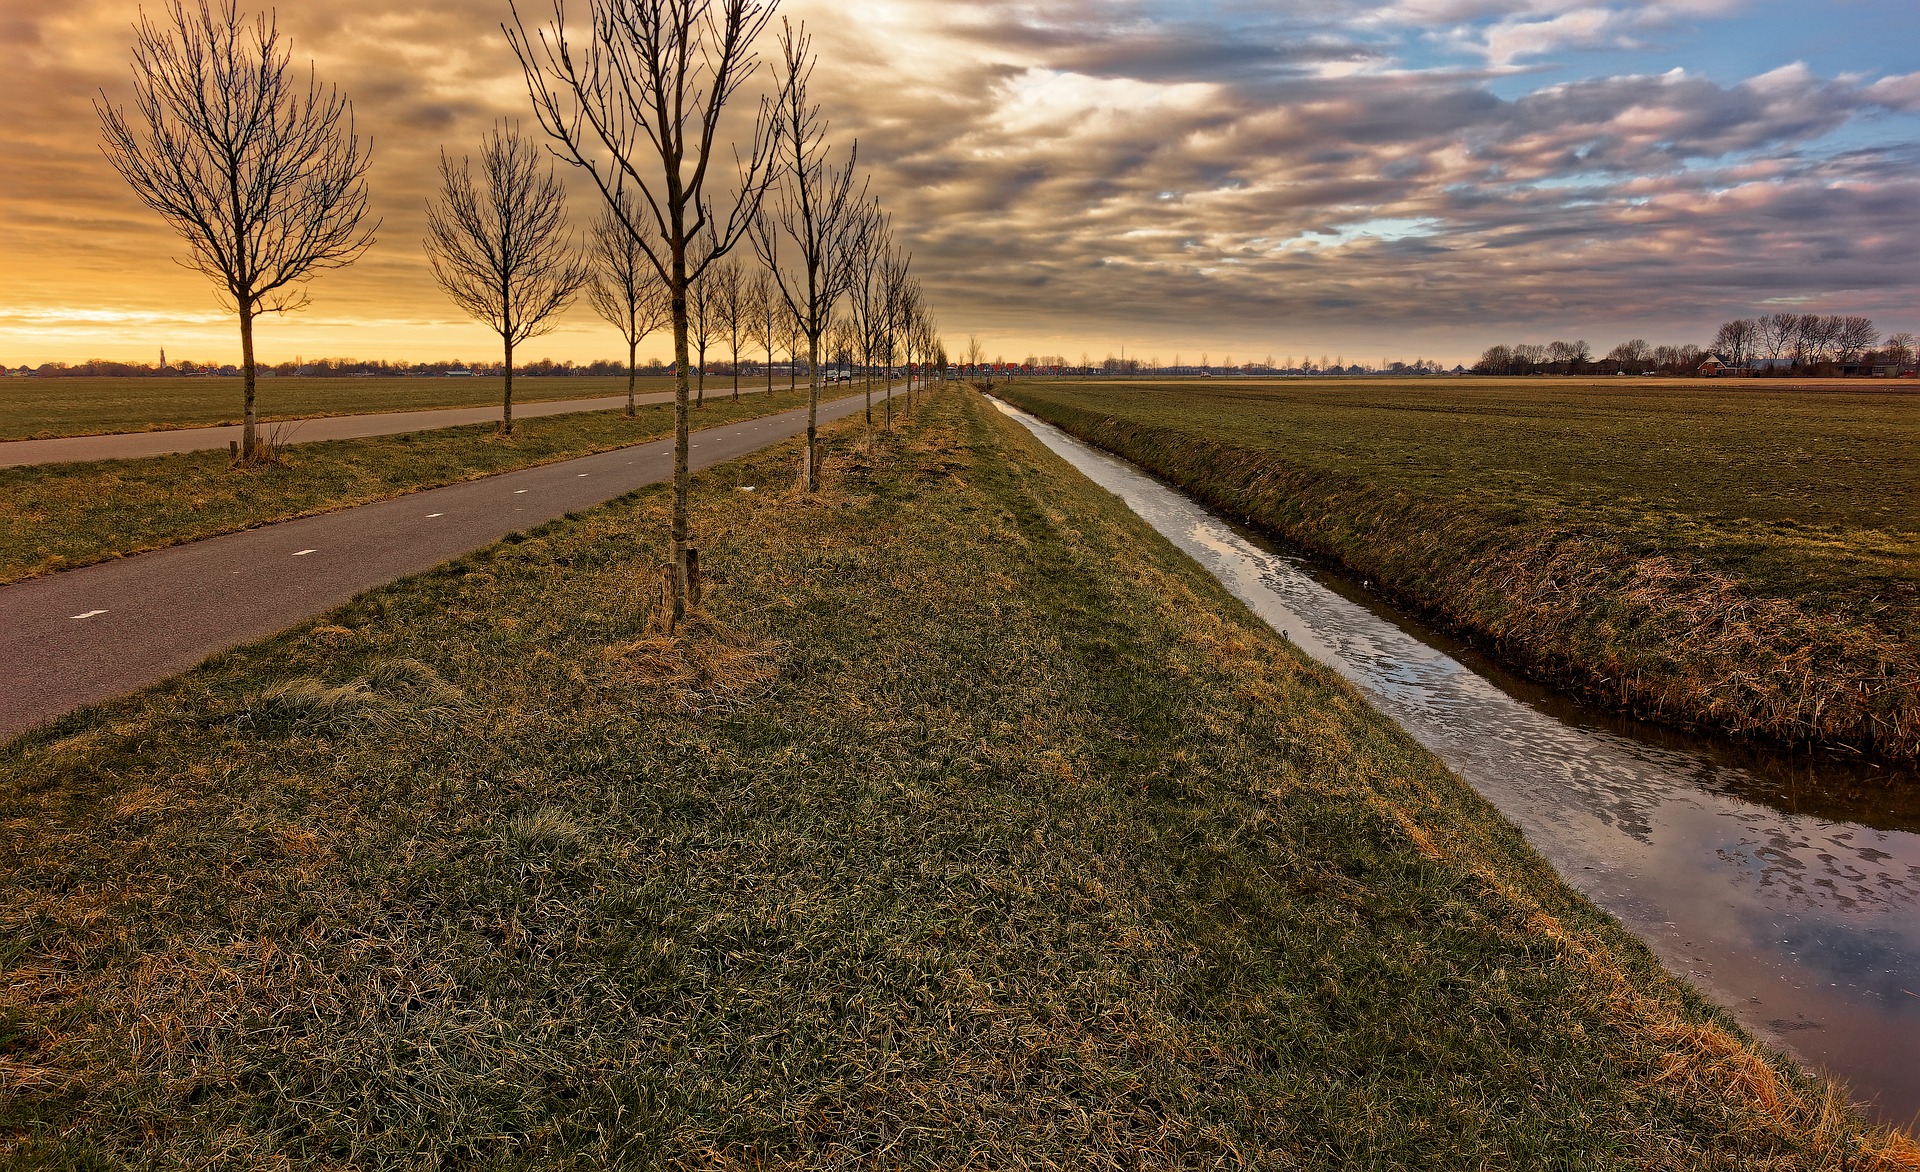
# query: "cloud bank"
[1077,174]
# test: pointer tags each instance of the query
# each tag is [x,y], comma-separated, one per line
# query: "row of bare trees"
[1809,341]
[266,179]
[1786,341]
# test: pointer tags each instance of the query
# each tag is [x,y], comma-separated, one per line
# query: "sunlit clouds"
[1075,175]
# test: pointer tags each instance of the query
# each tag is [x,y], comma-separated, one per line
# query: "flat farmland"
[970,825]
[40,408]
[1744,555]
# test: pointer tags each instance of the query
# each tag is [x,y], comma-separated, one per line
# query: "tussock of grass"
[701,666]
[1553,537]
[1010,842]
[392,692]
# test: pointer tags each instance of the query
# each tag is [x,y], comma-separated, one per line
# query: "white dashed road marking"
[431,516]
[89,614]
[519,491]
[305,552]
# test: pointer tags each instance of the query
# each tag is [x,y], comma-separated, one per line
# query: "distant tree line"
[1780,343]
[1823,343]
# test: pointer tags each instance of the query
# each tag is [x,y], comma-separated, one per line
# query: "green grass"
[38,408]
[973,826]
[1736,556]
[58,516]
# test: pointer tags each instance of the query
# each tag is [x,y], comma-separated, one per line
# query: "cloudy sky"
[1233,177]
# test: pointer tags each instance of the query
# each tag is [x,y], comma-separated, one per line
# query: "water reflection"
[1787,890]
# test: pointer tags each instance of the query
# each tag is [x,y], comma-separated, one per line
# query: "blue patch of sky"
[1868,38]
[1877,38]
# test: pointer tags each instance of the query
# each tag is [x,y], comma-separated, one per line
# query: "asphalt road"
[134,444]
[87,635]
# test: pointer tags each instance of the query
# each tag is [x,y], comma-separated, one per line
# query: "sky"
[1228,178]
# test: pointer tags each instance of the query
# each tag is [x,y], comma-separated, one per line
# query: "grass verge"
[45,408]
[972,826]
[58,516]
[1746,560]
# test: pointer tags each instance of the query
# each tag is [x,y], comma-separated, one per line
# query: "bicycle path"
[133,445]
[87,635]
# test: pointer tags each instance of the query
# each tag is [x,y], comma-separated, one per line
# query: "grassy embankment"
[973,827]
[58,516]
[1742,557]
[39,408]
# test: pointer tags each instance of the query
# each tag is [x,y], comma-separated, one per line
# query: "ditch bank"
[1656,637]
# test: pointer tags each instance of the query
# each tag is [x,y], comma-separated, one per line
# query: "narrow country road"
[91,634]
[134,444]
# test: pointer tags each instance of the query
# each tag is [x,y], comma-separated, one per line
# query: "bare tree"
[815,206]
[702,324]
[766,321]
[625,289]
[843,340]
[1735,341]
[895,310]
[732,316]
[922,338]
[1854,337]
[794,337]
[1632,356]
[501,248]
[1818,338]
[864,303]
[1776,332]
[264,178]
[638,106]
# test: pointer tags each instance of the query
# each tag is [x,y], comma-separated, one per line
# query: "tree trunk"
[506,398]
[633,351]
[700,398]
[682,478]
[812,469]
[867,383]
[736,370]
[248,383]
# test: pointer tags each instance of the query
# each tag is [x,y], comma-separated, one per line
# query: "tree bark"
[633,350]
[506,398]
[248,442]
[813,413]
[682,477]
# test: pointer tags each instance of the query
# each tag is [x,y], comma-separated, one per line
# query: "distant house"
[459,372]
[1714,366]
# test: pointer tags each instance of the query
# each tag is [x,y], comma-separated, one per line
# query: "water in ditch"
[1787,889]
